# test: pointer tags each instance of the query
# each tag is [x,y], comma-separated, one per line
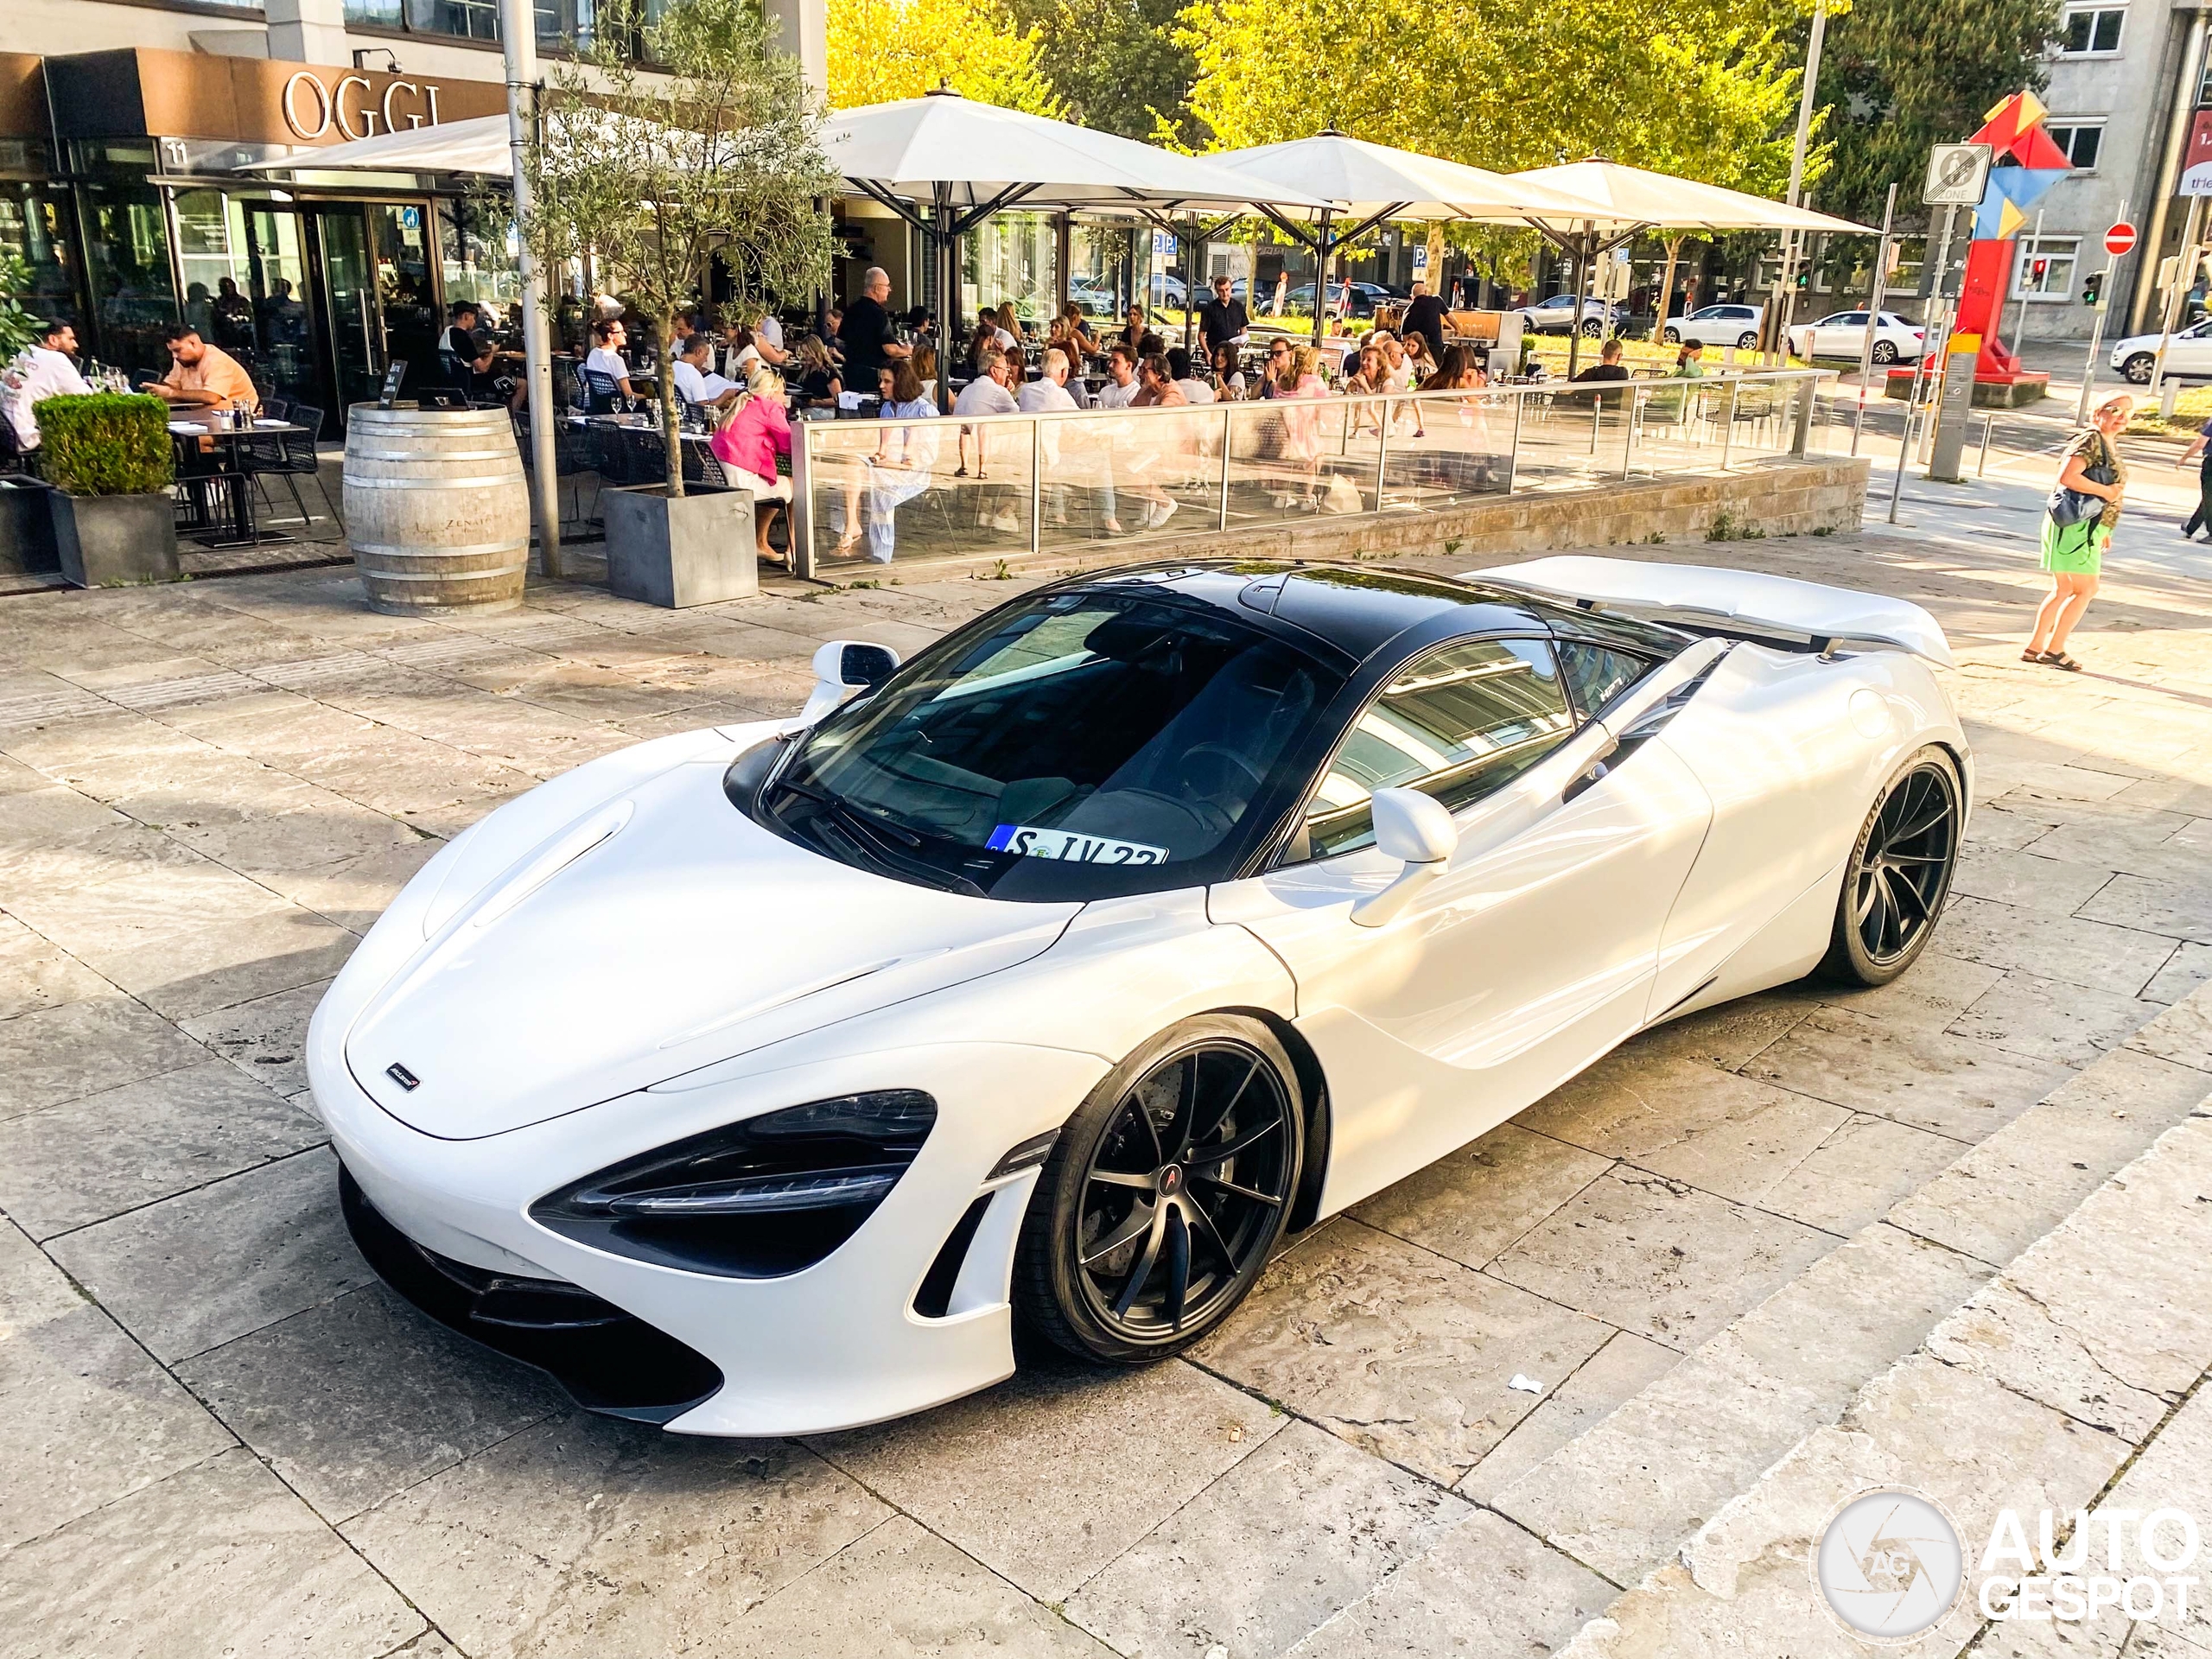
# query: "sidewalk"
[220,1433]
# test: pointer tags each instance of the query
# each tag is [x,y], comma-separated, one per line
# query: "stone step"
[2069,1380]
[1624,1493]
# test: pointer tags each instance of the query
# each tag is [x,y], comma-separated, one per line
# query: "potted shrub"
[109,459]
[714,157]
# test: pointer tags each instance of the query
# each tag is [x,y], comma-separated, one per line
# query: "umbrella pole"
[519,28]
[1321,276]
[948,293]
[1585,259]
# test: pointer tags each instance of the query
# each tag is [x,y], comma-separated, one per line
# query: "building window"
[2090,32]
[558,21]
[2080,143]
[2044,270]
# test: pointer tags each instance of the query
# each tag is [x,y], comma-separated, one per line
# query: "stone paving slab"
[206,792]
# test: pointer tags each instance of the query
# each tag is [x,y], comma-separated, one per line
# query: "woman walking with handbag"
[2077,527]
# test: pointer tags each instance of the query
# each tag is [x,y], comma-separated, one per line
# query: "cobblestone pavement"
[220,1435]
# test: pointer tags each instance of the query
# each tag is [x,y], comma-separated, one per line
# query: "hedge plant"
[108,443]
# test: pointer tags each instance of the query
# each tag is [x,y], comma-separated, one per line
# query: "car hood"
[656,933]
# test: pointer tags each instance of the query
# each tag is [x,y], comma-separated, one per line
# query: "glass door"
[349,295]
[289,346]
[406,291]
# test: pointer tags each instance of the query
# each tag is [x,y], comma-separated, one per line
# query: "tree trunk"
[671,428]
[1667,288]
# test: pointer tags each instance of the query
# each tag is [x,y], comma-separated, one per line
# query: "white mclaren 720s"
[761,1080]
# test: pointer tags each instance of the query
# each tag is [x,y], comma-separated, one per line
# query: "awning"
[477,145]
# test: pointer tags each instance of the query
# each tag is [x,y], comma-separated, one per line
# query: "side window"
[1460,722]
[1596,676]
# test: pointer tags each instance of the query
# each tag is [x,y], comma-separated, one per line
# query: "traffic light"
[2092,289]
[1804,279]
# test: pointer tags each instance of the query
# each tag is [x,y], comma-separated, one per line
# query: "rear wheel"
[1591,328]
[1164,1195]
[1746,340]
[1899,874]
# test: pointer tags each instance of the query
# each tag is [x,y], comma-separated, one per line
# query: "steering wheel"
[1220,752]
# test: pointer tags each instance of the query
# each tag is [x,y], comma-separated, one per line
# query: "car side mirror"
[844,666]
[1415,829]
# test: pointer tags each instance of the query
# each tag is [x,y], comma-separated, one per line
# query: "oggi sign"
[350,107]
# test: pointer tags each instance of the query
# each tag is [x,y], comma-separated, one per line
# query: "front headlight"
[756,1199]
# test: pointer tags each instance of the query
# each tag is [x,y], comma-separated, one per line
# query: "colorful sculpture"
[2029,163]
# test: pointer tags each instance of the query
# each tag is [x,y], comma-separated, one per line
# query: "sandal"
[2060,659]
[2031,655]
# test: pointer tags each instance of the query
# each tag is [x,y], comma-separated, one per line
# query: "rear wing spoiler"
[1694,597]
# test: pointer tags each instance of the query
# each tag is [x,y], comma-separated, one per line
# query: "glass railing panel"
[884,491]
[1448,449]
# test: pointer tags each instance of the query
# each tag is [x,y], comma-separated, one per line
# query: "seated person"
[203,376]
[608,337]
[748,443]
[1608,366]
[45,370]
[818,378]
[695,383]
[467,361]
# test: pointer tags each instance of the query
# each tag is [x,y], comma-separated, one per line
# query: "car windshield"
[1079,746]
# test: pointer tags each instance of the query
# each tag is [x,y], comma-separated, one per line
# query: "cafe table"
[206,452]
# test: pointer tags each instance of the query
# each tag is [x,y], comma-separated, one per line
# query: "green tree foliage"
[720,159]
[1118,65]
[1901,75]
[884,50]
[1699,88]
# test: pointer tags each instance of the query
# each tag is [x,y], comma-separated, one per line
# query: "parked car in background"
[1167,290]
[1096,298]
[1556,317]
[1365,296]
[1716,325]
[2189,354]
[1844,334]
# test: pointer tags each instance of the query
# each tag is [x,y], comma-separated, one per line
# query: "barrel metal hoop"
[412,551]
[449,575]
[514,477]
[439,454]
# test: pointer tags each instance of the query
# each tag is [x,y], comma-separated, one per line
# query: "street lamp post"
[1785,291]
[519,41]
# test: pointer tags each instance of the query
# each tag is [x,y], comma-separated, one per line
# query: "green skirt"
[2075,549]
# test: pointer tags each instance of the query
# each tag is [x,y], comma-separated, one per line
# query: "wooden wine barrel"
[437,513]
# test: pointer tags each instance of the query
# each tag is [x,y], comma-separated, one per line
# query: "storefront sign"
[312,108]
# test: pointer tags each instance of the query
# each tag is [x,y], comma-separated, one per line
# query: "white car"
[1844,334]
[1556,317]
[2189,354]
[1716,325]
[754,1081]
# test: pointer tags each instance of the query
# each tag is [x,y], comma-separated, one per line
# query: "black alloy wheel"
[1900,872]
[1165,1195]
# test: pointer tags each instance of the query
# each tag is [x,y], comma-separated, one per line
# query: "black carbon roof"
[1357,608]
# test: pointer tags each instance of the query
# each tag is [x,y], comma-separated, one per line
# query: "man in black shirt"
[466,362]
[865,336]
[1425,317]
[1608,366]
[1221,318]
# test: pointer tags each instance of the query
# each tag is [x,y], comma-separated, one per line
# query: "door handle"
[1600,766]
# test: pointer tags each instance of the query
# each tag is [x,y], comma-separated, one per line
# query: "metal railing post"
[1036,481]
[1628,441]
[1513,455]
[1728,431]
[1228,435]
[1382,453]
[801,512]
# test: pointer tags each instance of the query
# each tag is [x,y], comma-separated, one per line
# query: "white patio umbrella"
[1621,202]
[967,161]
[1375,182]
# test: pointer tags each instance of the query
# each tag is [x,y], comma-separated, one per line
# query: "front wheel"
[1164,1195]
[1672,337]
[1885,352]
[2137,369]
[1899,874]
[1746,340]
[1591,328]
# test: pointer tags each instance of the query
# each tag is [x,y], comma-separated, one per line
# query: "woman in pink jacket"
[755,433]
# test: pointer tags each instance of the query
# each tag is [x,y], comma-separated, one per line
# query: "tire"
[1747,340]
[1672,337]
[1885,352]
[1899,874]
[1134,1136]
[1592,328]
[2137,369]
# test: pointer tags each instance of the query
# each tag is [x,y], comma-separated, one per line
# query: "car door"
[1532,954]
[2190,351]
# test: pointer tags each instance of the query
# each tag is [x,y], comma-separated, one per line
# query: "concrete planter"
[115,541]
[677,550]
[26,530]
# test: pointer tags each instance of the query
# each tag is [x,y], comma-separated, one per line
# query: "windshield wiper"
[878,842]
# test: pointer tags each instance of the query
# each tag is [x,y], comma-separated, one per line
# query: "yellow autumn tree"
[882,50]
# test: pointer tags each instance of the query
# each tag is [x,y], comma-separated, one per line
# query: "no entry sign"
[2119,239]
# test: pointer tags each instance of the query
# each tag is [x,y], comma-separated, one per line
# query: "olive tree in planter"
[109,459]
[715,156]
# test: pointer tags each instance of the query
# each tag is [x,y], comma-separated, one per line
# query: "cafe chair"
[603,393]
[291,456]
